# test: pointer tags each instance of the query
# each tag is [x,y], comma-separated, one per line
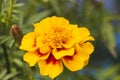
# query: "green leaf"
[15,11]
[10,43]
[117,77]
[55,6]
[3,73]
[3,39]
[18,5]
[111,71]
[108,35]
[18,62]
[38,16]
[11,75]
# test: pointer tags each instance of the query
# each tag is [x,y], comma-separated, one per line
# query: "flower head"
[55,42]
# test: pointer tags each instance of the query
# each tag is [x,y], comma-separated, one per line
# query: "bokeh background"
[101,17]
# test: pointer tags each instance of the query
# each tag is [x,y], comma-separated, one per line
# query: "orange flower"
[55,42]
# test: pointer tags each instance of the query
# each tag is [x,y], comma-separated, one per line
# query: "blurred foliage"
[89,13]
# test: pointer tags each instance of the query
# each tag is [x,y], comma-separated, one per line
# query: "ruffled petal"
[59,22]
[62,53]
[69,43]
[80,58]
[31,58]
[29,42]
[84,32]
[43,56]
[87,47]
[84,39]
[40,41]
[73,63]
[43,26]
[71,38]
[76,35]
[45,49]
[35,56]
[50,67]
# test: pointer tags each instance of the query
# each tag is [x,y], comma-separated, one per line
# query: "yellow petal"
[72,27]
[40,41]
[74,63]
[80,58]
[69,43]
[86,62]
[91,38]
[43,26]
[84,32]
[34,56]
[84,39]
[87,47]
[45,49]
[29,42]
[50,67]
[31,58]
[58,22]
[76,35]
[62,53]
[72,39]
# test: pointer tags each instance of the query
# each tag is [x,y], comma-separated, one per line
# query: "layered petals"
[87,47]
[74,63]
[54,43]
[69,43]
[33,57]
[84,32]
[80,58]
[45,49]
[76,35]
[85,35]
[62,53]
[29,42]
[50,67]
[40,41]
[46,26]
[59,22]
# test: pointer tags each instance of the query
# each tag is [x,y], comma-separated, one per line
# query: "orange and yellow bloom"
[55,42]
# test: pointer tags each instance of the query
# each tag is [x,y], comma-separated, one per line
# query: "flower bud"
[17,33]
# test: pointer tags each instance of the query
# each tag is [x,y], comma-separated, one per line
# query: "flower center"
[57,37]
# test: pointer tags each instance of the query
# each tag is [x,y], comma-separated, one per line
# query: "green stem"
[9,18]
[6,58]
[31,76]
[1,5]
[10,9]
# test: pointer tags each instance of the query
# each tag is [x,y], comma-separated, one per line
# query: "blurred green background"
[101,17]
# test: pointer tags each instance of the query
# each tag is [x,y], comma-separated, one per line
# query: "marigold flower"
[55,42]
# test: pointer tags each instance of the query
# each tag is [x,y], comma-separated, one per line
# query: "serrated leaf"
[38,16]
[3,73]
